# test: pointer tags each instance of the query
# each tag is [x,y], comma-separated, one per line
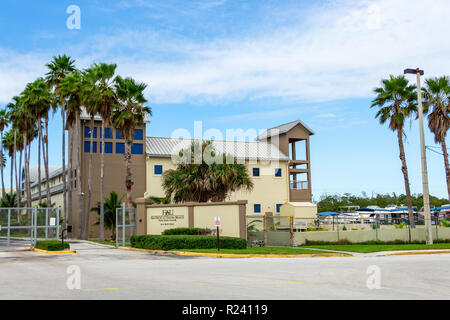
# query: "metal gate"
[268,230]
[126,226]
[23,227]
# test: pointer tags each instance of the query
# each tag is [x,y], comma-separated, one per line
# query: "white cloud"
[339,49]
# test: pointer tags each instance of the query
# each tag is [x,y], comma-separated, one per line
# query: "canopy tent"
[328,214]
[441,208]
[381,210]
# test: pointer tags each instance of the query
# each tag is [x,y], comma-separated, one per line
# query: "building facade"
[278,162]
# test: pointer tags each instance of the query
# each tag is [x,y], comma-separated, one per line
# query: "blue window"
[87,132]
[108,133]
[158,169]
[278,172]
[87,147]
[118,136]
[137,148]
[120,148]
[138,134]
[256,208]
[256,172]
[278,207]
[108,147]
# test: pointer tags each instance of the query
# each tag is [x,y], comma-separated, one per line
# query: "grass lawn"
[366,248]
[258,250]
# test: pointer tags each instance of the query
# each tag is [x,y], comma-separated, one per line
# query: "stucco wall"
[229,218]
[268,190]
[388,234]
[154,219]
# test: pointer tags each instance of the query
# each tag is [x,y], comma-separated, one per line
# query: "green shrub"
[187,232]
[52,245]
[399,226]
[445,223]
[163,242]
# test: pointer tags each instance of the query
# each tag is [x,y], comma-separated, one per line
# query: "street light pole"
[426,196]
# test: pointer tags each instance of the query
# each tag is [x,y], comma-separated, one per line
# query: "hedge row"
[163,242]
[186,231]
[52,245]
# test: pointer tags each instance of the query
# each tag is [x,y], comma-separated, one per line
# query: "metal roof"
[254,150]
[283,129]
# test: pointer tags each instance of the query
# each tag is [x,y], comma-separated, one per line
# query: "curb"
[418,252]
[235,255]
[72,252]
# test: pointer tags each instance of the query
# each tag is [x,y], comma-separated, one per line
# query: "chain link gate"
[126,226]
[22,227]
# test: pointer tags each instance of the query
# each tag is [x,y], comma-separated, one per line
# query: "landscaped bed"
[52,245]
[367,248]
[259,250]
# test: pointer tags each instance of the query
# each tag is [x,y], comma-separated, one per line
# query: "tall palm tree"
[437,98]
[104,97]
[59,68]
[128,112]
[8,146]
[396,100]
[26,127]
[39,100]
[71,88]
[91,107]
[3,123]
[203,182]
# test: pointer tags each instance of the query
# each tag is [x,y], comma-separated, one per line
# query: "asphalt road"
[118,274]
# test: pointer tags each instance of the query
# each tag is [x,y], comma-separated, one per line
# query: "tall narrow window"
[256,208]
[256,172]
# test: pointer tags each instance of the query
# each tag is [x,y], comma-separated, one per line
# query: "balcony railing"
[299,185]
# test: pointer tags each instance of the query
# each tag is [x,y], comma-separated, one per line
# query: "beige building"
[279,173]
[278,162]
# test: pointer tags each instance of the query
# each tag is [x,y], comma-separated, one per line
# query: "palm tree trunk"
[129,179]
[63,154]
[91,149]
[406,178]
[13,163]
[39,161]
[102,186]
[27,170]
[69,198]
[447,168]
[47,174]
[79,186]
[1,154]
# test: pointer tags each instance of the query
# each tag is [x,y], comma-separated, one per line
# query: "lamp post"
[426,197]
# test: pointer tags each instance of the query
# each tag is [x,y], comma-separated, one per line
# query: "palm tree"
[9,200]
[436,97]
[59,68]
[89,96]
[3,123]
[397,102]
[103,96]
[129,112]
[203,182]
[38,99]
[71,89]
[110,206]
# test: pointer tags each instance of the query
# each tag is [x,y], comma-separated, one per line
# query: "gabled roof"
[283,129]
[254,150]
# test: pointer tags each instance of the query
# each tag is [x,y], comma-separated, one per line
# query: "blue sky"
[251,64]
